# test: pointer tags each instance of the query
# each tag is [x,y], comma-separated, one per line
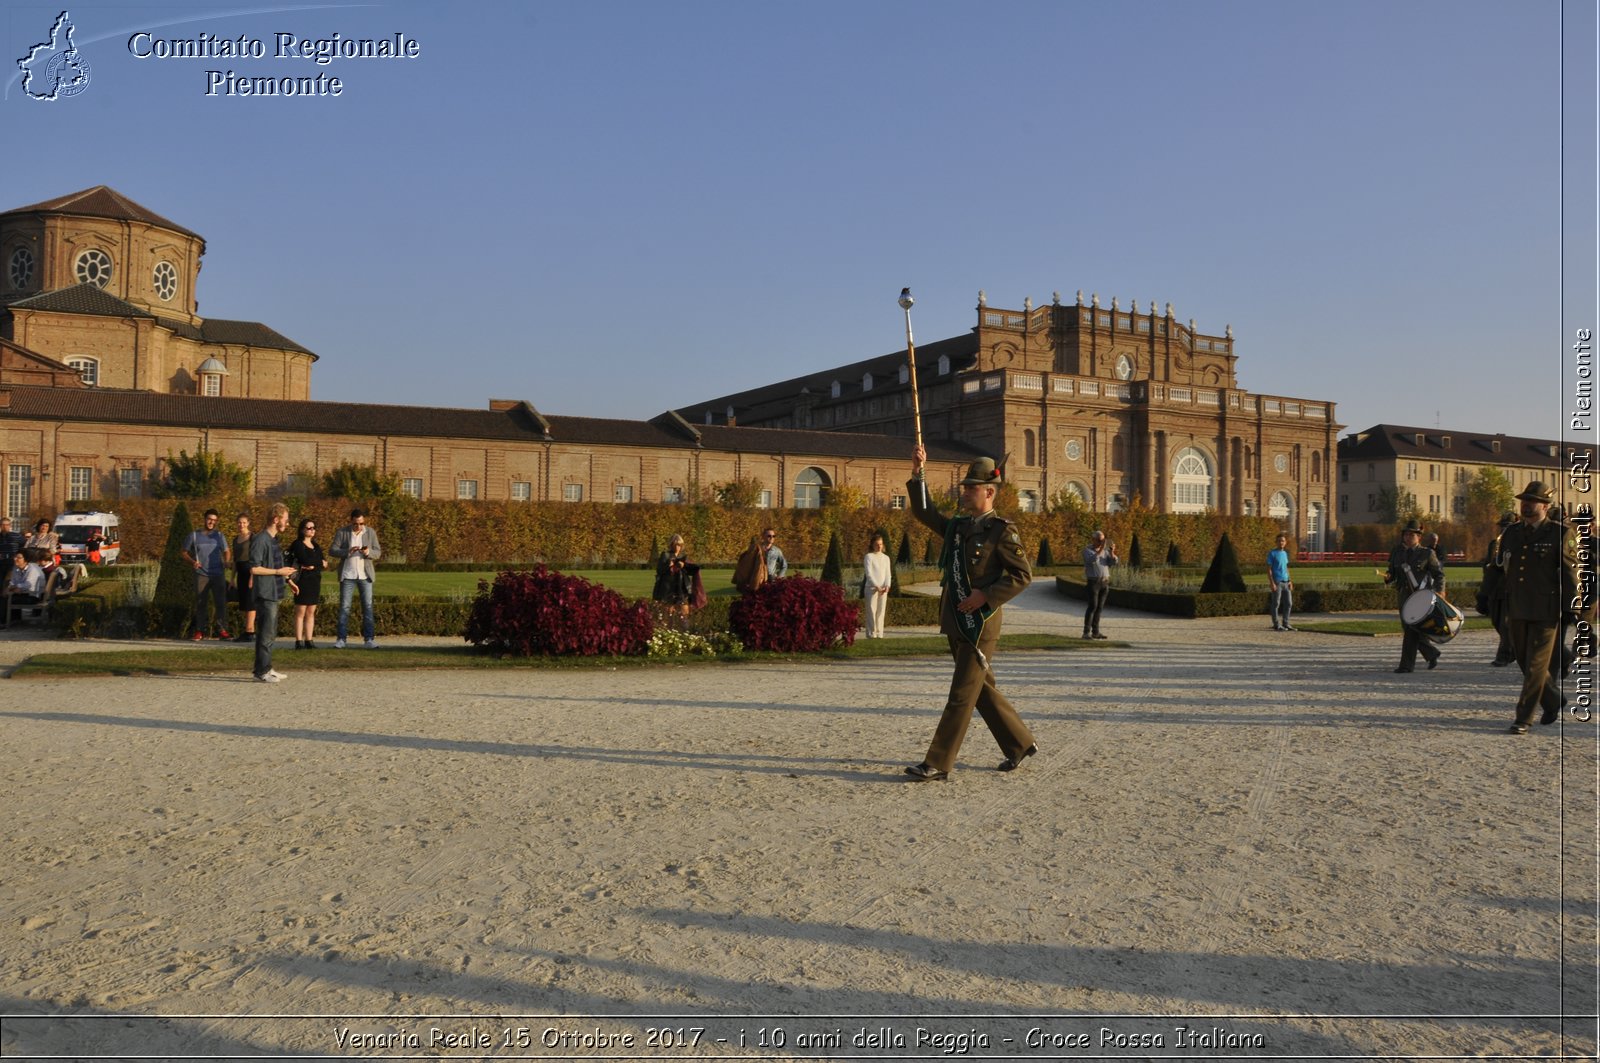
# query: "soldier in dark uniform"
[1541,584]
[1413,567]
[1493,590]
[984,567]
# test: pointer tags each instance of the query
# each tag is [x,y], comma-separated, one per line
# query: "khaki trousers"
[1534,643]
[972,687]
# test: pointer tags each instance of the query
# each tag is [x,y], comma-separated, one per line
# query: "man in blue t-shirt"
[1278,577]
[207,550]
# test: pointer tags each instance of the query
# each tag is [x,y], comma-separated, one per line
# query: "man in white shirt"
[355,546]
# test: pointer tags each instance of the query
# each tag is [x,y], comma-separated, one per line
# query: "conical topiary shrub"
[1045,558]
[833,564]
[903,554]
[930,553]
[172,608]
[1135,553]
[1174,555]
[1223,575]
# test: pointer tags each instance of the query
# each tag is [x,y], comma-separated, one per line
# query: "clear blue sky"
[610,209]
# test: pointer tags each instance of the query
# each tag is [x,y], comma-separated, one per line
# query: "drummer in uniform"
[1541,583]
[983,568]
[1413,567]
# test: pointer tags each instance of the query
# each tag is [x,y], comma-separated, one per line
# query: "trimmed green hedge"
[1257,603]
[94,611]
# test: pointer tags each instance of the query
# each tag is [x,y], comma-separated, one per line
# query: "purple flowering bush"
[541,612]
[794,615]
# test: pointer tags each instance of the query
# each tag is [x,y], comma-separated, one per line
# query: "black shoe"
[1405,668]
[245,636]
[1100,636]
[925,773]
[1013,763]
[1433,662]
[1498,663]
[1517,729]
[310,645]
[1549,716]
[299,645]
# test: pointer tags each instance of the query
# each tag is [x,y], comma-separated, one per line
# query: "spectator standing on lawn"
[355,547]
[268,569]
[243,590]
[206,549]
[1282,588]
[876,578]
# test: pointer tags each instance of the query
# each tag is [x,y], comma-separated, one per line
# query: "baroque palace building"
[107,369]
[1108,403]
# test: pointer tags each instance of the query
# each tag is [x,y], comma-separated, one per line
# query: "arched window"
[1030,452]
[1280,505]
[811,489]
[88,369]
[905,374]
[866,381]
[944,365]
[1316,466]
[1080,490]
[1029,501]
[1191,481]
[833,389]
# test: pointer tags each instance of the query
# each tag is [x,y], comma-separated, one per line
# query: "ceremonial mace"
[911,360]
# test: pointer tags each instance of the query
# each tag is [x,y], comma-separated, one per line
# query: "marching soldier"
[1413,567]
[983,568]
[1541,584]
[1494,594]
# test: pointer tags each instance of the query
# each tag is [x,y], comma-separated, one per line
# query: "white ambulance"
[85,535]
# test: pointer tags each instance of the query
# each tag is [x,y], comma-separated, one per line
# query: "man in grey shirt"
[1098,557]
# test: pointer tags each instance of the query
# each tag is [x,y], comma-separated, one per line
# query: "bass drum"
[1431,616]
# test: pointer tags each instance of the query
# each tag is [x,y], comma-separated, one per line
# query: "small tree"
[833,564]
[1489,494]
[743,493]
[1045,559]
[931,552]
[172,607]
[1397,505]
[1223,575]
[1135,553]
[1174,555]
[360,483]
[845,497]
[902,555]
[430,556]
[205,475]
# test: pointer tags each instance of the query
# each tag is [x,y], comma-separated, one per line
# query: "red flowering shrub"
[794,615]
[543,613]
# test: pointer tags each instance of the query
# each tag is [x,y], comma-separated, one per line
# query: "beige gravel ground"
[1266,839]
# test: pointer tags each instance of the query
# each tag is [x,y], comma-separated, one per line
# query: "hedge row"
[100,610]
[1256,603]
[595,534]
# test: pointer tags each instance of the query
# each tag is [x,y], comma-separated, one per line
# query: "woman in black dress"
[243,581]
[306,556]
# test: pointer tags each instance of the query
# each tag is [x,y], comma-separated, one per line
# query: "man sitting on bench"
[25,586]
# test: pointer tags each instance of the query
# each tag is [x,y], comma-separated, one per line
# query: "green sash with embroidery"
[958,585]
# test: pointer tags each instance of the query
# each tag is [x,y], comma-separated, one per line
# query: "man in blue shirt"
[208,551]
[1098,557]
[268,569]
[1282,589]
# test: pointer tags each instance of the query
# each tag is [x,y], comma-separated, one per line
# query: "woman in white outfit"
[875,581]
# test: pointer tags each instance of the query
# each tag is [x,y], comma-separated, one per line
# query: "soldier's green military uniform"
[1493,590]
[996,565]
[1541,584]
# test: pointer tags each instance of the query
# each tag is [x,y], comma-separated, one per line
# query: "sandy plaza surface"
[1233,842]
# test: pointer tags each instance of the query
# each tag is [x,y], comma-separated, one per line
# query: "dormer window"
[905,374]
[944,365]
[866,381]
[833,389]
[93,267]
[211,372]
[88,369]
